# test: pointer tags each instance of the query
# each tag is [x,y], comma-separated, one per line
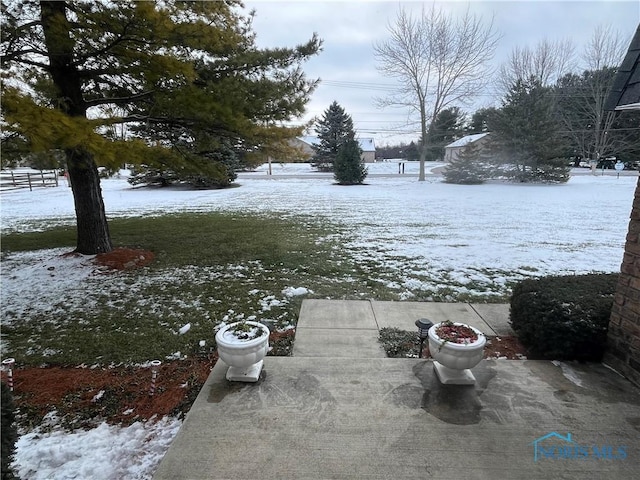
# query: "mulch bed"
[124,258]
[84,396]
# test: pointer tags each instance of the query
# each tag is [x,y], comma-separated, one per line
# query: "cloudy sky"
[347,67]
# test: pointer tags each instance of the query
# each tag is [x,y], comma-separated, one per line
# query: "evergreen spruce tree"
[525,134]
[412,153]
[445,128]
[349,166]
[469,168]
[334,129]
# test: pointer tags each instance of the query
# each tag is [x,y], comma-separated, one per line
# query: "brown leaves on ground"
[124,258]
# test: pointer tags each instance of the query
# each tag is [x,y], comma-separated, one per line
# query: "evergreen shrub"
[469,168]
[564,317]
[349,167]
[9,432]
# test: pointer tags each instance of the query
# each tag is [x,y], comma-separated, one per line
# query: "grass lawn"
[208,268]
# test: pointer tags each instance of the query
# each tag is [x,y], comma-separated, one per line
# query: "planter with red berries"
[455,348]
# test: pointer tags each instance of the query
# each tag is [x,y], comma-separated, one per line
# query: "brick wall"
[623,351]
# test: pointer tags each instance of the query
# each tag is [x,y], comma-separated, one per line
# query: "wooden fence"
[15,179]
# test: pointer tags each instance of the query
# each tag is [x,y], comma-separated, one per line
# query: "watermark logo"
[555,446]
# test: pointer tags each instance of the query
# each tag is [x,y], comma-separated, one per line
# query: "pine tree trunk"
[92,228]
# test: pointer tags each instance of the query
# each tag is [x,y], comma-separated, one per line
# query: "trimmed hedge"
[564,317]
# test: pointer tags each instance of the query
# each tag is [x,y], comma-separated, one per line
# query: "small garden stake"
[9,362]
[154,375]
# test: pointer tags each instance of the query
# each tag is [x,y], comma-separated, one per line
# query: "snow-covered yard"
[473,239]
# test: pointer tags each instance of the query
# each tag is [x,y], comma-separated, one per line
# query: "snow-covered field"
[476,239]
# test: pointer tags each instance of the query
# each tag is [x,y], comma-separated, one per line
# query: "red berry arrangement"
[449,332]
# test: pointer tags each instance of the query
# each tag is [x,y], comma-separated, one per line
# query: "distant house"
[368,148]
[367,145]
[452,150]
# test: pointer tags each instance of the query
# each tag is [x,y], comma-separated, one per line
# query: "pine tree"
[349,166]
[478,123]
[185,80]
[469,168]
[333,129]
[445,128]
[525,134]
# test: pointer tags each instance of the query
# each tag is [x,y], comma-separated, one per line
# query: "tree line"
[538,131]
[547,111]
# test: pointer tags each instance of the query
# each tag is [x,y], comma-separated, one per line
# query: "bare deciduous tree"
[605,49]
[582,97]
[547,62]
[440,61]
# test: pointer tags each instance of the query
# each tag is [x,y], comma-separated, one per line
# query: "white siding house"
[368,148]
[452,150]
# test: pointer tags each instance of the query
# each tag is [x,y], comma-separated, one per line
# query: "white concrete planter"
[244,357]
[453,361]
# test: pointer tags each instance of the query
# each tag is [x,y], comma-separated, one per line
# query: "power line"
[486,93]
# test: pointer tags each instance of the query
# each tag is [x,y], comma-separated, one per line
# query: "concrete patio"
[338,409]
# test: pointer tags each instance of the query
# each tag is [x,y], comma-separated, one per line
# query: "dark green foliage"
[627,135]
[525,141]
[592,131]
[349,167]
[146,175]
[213,169]
[564,317]
[402,150]
[446,128]
[479,120]
[469,168]
[399,343]
[333,129]
[9,432]
[411,152]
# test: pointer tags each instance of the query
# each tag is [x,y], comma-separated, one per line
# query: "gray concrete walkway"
[341,328]
[318,417]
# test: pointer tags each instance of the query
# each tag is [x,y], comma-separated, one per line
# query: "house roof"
[464,141]
[366,144]
[310,140]
[625,93]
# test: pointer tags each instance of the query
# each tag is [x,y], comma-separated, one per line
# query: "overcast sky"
[347,67]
